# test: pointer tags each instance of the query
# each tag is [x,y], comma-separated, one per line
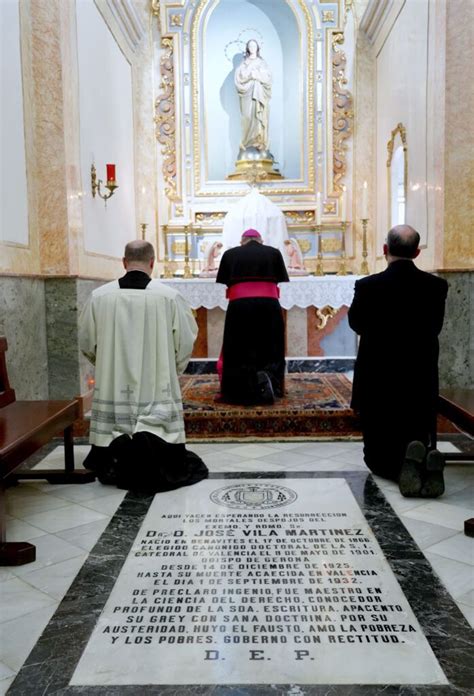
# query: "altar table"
[315,309]
[302,291]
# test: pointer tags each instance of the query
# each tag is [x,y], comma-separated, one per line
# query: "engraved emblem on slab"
[258,496]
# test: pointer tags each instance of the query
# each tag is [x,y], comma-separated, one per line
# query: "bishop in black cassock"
[253,352]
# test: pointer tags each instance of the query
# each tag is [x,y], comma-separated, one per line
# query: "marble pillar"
[456,360]
[459,137]
[68,371]
[23,323]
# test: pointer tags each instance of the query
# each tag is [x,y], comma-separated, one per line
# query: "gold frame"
[198,192]
[339,102]
[398,130]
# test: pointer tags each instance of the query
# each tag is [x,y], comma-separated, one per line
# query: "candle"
[318,208]
[343,205]
[110,172]
[365,206]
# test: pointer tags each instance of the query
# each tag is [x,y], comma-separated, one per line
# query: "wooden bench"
[25,426]
[458,406]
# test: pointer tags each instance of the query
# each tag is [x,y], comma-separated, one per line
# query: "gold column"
[364,269]
[342,270]
[319,264]
[167,270]
[187,268]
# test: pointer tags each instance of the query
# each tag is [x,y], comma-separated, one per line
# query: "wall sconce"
[111,185]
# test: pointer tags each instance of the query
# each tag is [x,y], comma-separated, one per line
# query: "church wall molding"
[128,20]
[378,20]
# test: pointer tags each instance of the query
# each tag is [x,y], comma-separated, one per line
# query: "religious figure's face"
[252,48]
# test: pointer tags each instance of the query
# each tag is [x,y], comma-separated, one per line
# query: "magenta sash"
[253,289]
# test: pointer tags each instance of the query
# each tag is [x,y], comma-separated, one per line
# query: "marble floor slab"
[257,583]
[430,580]
[437,621]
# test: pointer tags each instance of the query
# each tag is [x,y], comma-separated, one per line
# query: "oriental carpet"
[315,406]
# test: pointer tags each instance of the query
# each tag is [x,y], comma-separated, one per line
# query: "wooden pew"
[458,406]
[25,426]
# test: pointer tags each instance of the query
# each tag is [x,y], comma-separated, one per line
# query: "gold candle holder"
[143,226]
[187,268]
[364,269]
[319,264]
[167,270]
[342,270]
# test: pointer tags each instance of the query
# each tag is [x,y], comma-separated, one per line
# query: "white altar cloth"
[310,291]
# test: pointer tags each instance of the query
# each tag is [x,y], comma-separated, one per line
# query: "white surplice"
[139,341]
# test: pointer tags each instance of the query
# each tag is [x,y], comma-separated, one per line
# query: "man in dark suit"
[253,351]
[398,314]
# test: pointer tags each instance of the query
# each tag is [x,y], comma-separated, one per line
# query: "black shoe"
[433,485]
[410,481]
[265,389]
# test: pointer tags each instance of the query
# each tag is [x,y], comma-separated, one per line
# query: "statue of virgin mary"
[253,81]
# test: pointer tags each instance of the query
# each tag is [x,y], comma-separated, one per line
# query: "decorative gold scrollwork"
[155,8]
[165,118]
[324,314]
[330,245]
[342,110]
[299,217]
[328,16]
[211,218]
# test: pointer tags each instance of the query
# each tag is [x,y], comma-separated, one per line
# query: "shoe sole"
[435,461]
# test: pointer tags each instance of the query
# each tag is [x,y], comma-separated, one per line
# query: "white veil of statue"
[258,212]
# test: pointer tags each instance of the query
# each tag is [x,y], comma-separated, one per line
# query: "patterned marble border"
[205,366]
[52,661]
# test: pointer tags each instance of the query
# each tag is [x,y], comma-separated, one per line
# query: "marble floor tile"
[459,548]
[317,464]
[402,505]
[55,459]
[23,507]
[440,513]
[5,575]
[50,549]
[291,445]
[86,535]
[467,598]
[55,580]
[20,598]
[348,457]
[463,497]
[253,451]
[456,577]
[425,534]
[83,493]
[64,518]
[468,612]
[244,465]
[19,530]
[288,458]
[23,632]
[5,685]
[200,449]
[447,447]
[5,671]
[220,458]
[323,449]
[108,504]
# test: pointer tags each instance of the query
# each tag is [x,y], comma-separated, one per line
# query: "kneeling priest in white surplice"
[139,333]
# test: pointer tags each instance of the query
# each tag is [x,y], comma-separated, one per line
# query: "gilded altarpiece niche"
[200,45]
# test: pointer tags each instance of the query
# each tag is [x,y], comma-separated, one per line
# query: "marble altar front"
[315,315]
